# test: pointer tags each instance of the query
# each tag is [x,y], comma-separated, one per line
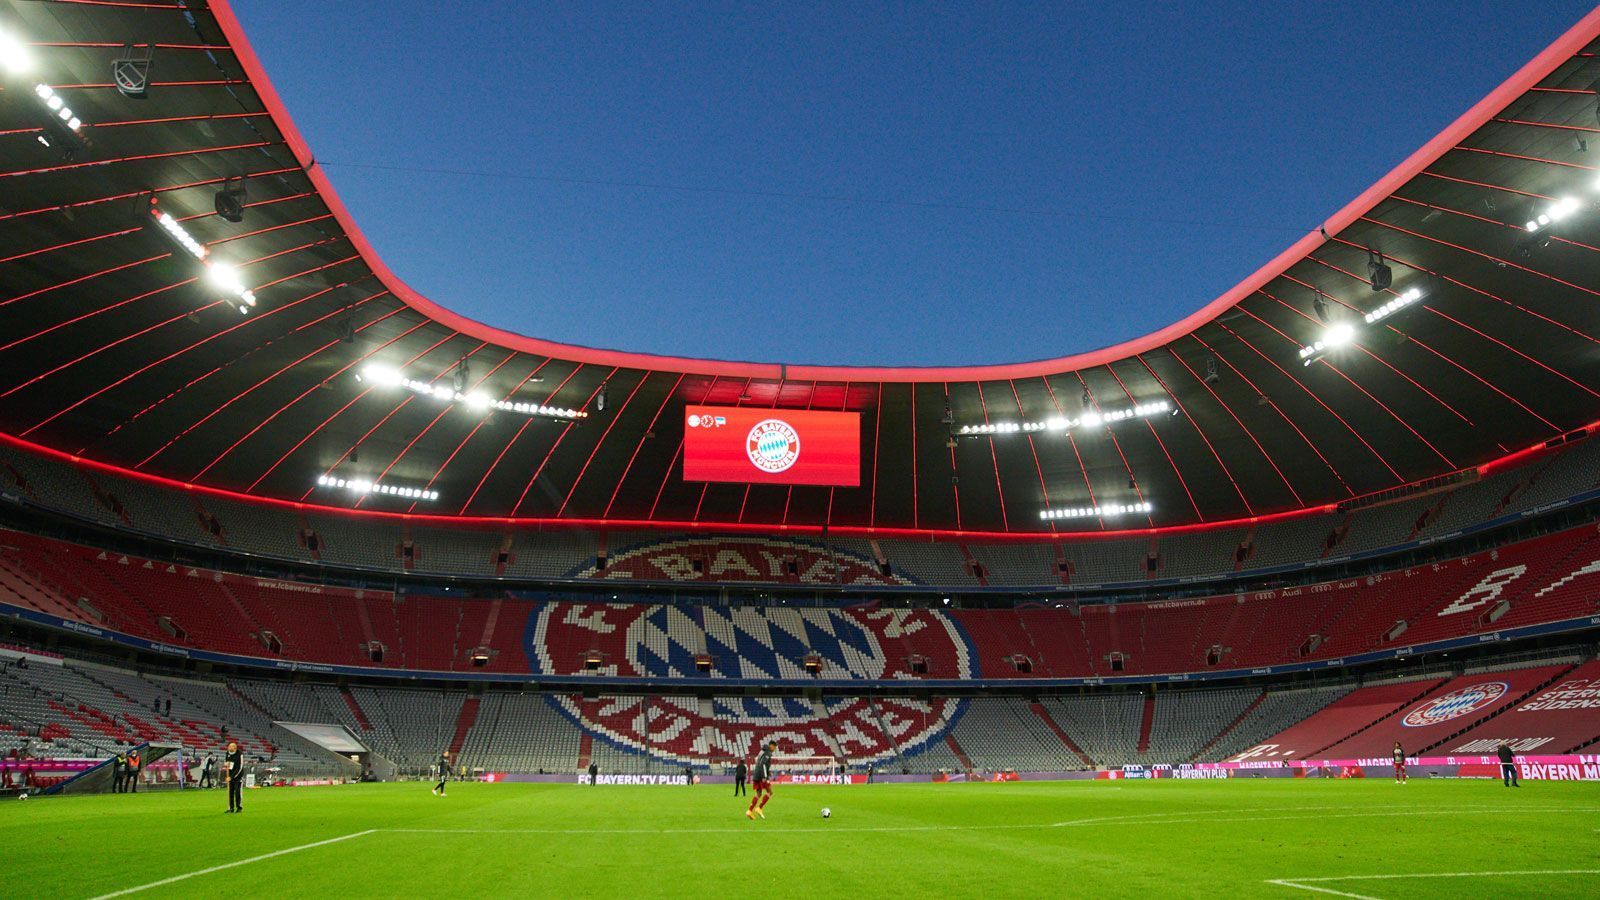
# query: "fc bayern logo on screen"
[773,445]
[1456,704]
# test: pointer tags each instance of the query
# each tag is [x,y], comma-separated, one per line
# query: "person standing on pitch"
[206,781]
[233,770]
[739,772]
[594,772]
[444,773]
[761,782]
[119,771]
[1399,764]
[135,763]
[1508,766]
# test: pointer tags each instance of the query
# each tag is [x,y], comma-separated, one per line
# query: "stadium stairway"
[1044,715]
[1146,719]
[966,761]
[464,722]
[877,716]
[585,750]
[355,709]
[1217,739]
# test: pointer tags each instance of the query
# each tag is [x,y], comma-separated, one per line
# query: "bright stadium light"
[1558,210]
[1341,334]
[58,107]
[219,275]
[1108,510]
[385,376]
[60,128]
[15,57]
[1090,419]
[1393,306]
[362,487]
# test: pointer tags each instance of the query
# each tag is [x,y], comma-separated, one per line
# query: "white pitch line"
[1290,883]
[1389,876]
[1305,885]
[242,862]
[1142,819]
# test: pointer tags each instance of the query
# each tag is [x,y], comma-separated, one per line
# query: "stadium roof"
[123,348]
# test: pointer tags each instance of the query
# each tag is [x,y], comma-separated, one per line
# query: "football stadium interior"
[255,489]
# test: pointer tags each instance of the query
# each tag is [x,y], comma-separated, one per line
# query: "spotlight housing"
[130,72]
[1378,272]
[230,200]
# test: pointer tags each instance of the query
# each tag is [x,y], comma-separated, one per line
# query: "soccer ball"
[827,813]
[22,796]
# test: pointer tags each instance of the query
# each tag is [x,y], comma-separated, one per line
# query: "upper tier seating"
[387,544]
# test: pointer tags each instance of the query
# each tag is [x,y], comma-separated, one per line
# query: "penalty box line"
[1306,884]
[242,862]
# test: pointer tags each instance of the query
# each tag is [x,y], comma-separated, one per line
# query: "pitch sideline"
[1301,883]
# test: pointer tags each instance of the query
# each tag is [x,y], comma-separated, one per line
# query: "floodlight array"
[218,274]
[363,487]
[1064,423]
[1558,210]
[1340,334]
[1108,510]
[384,376]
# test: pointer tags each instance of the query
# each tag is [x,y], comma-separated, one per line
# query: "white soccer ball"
[22,796]
[827,813]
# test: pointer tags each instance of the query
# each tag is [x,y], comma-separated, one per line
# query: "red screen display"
[771,446]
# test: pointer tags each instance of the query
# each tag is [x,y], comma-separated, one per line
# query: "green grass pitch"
[1103,839]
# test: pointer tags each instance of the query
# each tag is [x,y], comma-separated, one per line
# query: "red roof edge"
[1578,36]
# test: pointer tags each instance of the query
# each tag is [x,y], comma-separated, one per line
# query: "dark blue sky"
[864,183]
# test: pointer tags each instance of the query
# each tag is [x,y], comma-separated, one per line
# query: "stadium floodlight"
[175,230]
[15,57]
[363,487]
[387,376]
[1558,210]
[1341,334]
[58,107]
[218,274]
[60,128]
[1062,424]
[1333,337]
[1108,510]
[1338,334]
[1393,306]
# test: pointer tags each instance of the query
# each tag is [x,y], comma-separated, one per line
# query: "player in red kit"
[1399,764]
[761,782]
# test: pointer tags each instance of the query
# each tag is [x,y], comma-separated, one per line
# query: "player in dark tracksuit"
[739,773]
[233,770]
[444,772]
[1508,766]
[761,782]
